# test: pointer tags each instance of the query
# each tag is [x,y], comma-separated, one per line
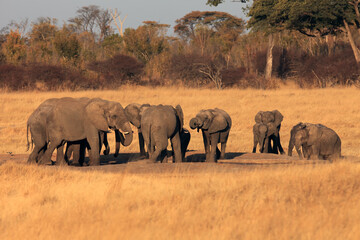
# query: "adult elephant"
[69,121]
[133,112]
[215,125]
[316,140]
[272,119]
[158,124]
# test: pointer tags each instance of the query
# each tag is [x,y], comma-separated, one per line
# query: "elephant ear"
[278,117]
[258,117]
[132,112]
[313,133]
[219,123]
[180,114]
[96,114]
[206,116]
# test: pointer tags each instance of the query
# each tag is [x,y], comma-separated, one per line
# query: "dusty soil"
[132,163]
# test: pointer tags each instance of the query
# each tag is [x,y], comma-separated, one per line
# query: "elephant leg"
[46,157]
[274,148]
[206,140]
[184,139]
[315,151]
[40,146]
[163,156]
[60,159]
[223,148]
[104,140]
[94,156]
[278,143]
[141,143]
[37,152]
[255,144]
[176,146]
[158,140]
[83,146]
[214,139]
[266,145]
[119,138]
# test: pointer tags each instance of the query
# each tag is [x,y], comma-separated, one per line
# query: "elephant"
[316,140]
[215,125]
[36,126]
[260,131]
[273,121]
[158,124]
[69,120]
[133,113]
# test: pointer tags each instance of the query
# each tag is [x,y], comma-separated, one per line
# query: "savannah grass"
[285,201]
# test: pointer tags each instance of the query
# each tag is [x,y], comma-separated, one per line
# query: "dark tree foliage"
[119,69]
[216,21]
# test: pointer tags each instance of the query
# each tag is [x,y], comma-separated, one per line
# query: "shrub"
[118,70]
[321,71]
[42,77]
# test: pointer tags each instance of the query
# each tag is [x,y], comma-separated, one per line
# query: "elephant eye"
[114,116]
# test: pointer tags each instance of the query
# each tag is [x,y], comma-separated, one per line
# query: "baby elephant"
[316,140]
[215,125]
[260,132]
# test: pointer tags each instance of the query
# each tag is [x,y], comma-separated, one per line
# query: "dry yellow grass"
[288,201]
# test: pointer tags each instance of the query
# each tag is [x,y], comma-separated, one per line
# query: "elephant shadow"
[120,159]
[200,157]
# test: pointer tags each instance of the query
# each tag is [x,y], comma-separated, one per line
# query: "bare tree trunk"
[352,43]
[269,57]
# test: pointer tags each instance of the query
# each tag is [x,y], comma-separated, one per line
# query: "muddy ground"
[234,162]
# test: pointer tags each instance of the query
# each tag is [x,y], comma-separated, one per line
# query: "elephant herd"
[83,123]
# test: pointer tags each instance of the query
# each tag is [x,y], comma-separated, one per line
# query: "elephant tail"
[27,138]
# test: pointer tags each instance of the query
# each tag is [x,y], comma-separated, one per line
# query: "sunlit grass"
[284,201]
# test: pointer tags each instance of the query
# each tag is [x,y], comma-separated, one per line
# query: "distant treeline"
[210,49]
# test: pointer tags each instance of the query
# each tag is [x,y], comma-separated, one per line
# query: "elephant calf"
[316,140]
[272,120]
[215,125]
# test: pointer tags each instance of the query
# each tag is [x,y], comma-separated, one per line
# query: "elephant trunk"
[125,137]
[195,123]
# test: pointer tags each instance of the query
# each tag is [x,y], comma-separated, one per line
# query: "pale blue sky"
[137,11]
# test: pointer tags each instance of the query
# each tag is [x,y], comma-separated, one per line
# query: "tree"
[201,26]
[14,48]
[67,45]
[94,20]
[41,38]
[147,40]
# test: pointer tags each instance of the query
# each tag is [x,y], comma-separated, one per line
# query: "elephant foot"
[106,151]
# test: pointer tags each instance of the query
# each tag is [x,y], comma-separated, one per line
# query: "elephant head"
[299,136]
[133,113]
[210,120]
[269,116]
[107,114]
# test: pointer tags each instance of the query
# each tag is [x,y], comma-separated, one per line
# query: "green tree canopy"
[147,40]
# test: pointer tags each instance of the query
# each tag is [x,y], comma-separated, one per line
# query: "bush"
[118,70]
[42,77]
[321,71]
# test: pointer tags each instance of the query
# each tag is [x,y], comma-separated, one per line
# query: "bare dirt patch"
[132,163]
